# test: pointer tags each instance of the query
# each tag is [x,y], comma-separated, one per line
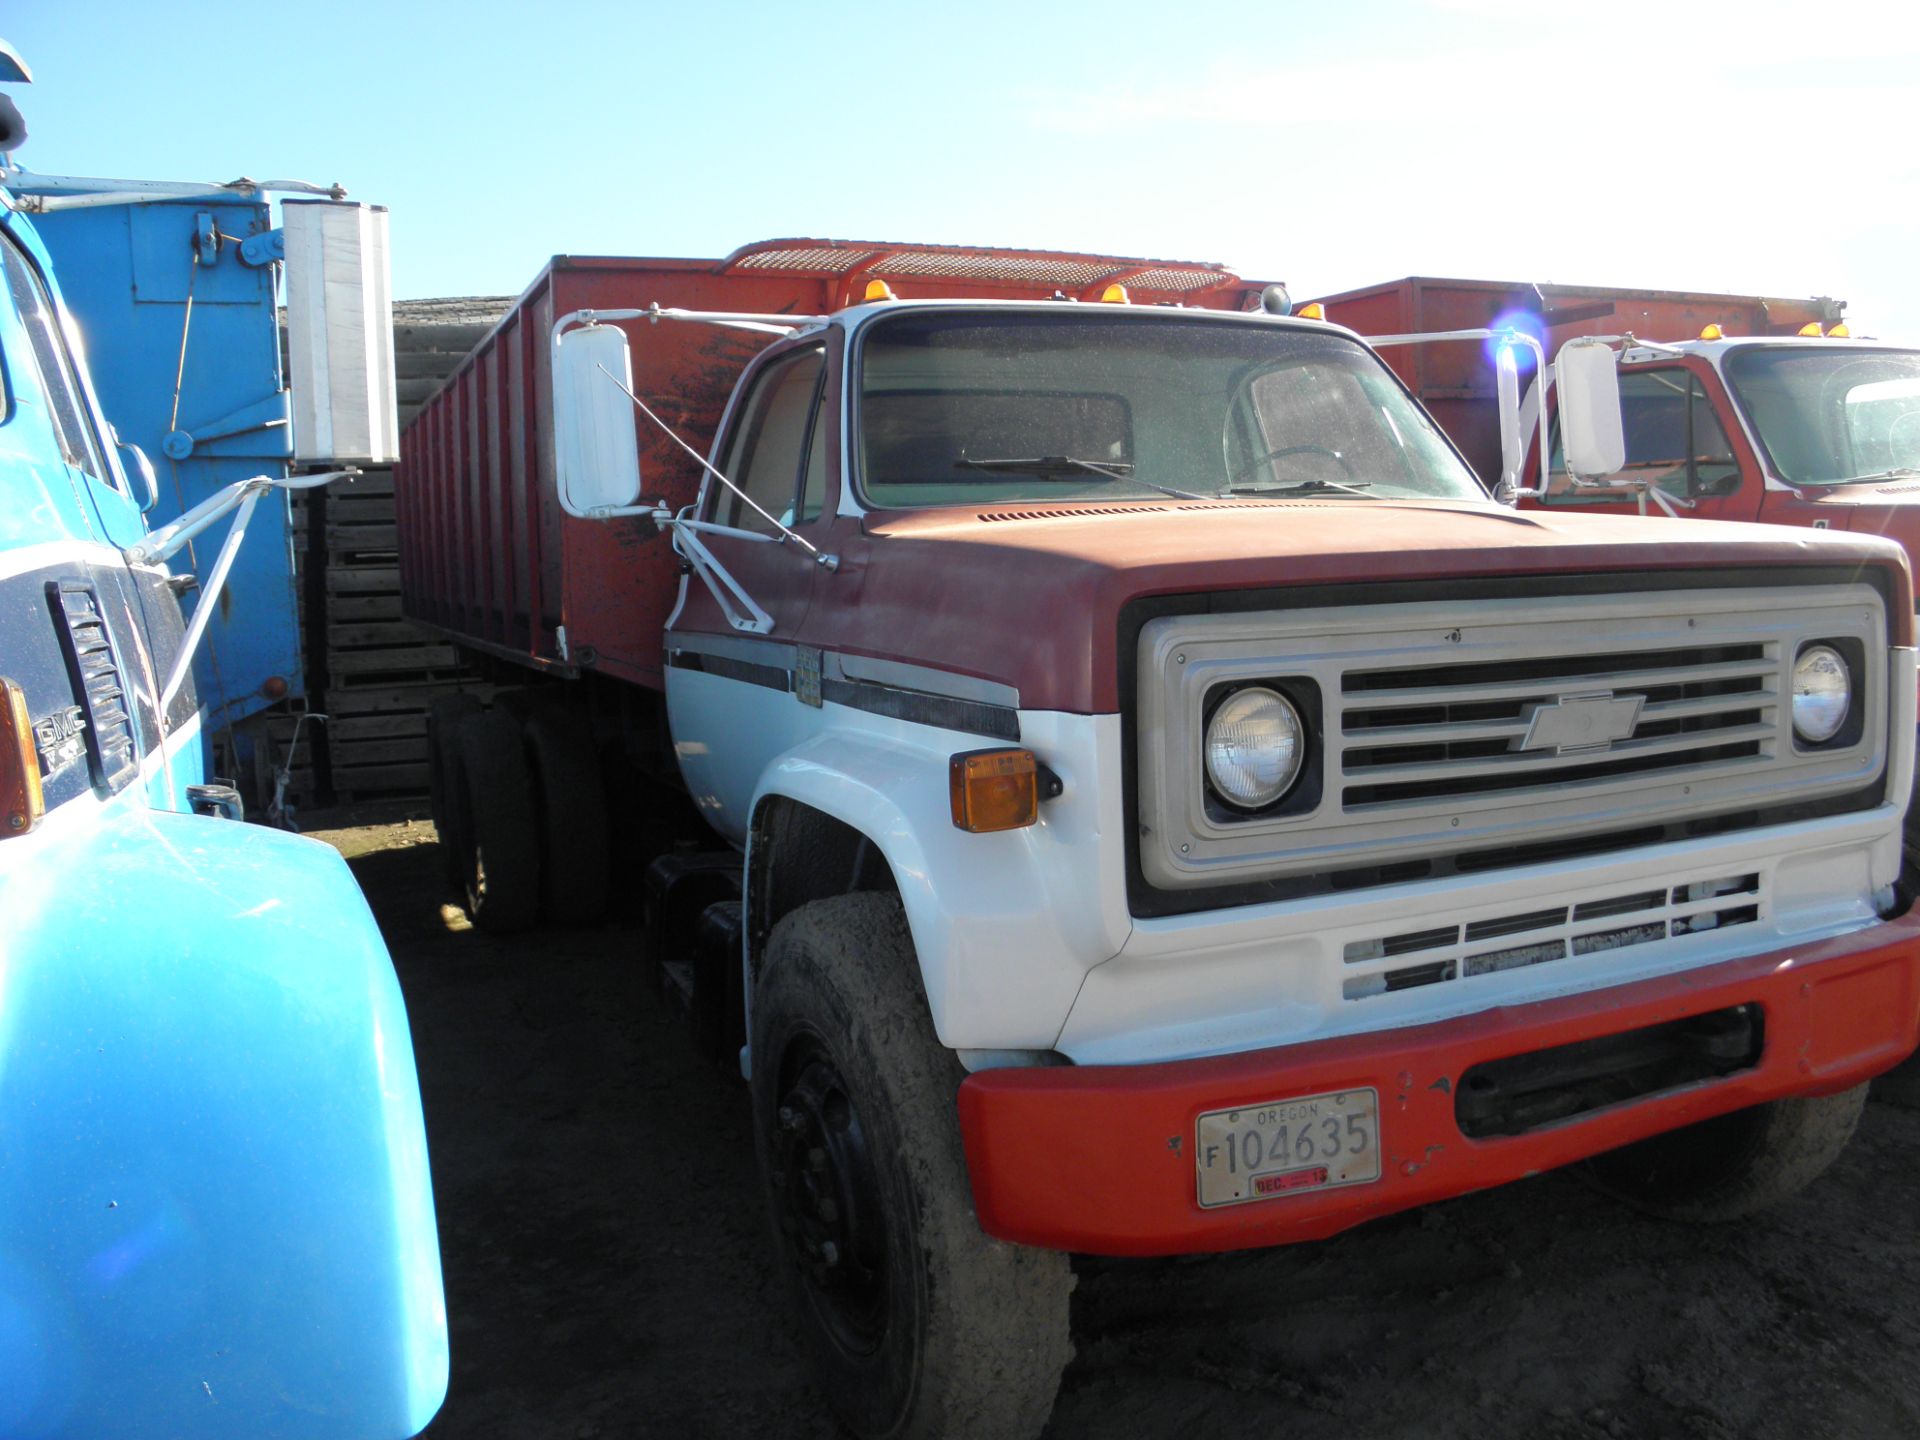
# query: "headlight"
[1822,693]
[1254,746]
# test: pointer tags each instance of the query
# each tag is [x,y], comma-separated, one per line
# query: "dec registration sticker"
[1288,1147]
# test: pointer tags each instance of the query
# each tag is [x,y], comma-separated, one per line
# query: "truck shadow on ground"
[607,1272]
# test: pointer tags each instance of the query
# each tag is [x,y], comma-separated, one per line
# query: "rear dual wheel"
[516,799]
[571,813]
[445,802]
[499,853]
[920,1324]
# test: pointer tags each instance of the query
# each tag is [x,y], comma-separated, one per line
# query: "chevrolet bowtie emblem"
[1582,722]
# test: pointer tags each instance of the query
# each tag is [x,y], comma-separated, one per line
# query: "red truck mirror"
[596,451]
[1590,432]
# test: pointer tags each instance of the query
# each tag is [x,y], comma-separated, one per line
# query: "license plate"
[1288,1147]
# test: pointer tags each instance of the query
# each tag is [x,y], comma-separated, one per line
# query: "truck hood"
[1031,595]
[1891,509]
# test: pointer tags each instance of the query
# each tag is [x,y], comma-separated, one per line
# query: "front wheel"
[920,1325]
[1736,1165]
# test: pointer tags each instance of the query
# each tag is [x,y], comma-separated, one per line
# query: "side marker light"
[998,789]
[1812,330]
[1315,311]
[21,803]
[879,290]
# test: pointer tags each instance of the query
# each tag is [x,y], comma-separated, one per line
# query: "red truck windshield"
[1831,415]
[966,407]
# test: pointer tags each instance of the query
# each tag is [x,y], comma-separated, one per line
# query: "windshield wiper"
[1065,467]
[1899,472]
[1298,486]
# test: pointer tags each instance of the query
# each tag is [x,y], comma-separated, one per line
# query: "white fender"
[1006,925]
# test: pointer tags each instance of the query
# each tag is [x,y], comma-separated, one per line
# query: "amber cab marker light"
[1315,311]
[1115,295]
[1713,332]
[21,804]
[879,290]
[1812,330]
[994,789]
[1840,332]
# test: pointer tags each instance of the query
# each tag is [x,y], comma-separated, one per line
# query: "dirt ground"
[607,1274]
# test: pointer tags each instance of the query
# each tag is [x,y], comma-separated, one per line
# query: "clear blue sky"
[1754,148]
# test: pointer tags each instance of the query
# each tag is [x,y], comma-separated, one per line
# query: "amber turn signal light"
[21,804]
[994,789]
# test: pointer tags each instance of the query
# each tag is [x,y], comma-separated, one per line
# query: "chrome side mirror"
[596,447]
[1513,445]
[1591,435]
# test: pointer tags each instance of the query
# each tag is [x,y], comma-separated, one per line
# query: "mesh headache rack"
[940,269]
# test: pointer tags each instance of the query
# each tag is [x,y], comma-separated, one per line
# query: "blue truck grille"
[113,751]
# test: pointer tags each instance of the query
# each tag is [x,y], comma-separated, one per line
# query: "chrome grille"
[1448,732]
[1436,955]
[1486,733]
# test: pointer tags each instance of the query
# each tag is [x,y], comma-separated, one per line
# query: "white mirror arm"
[1510,337]
[828,562]
[172,537]
[1665,501]
[766,323]
[727,591]
[209,600]
[240,497]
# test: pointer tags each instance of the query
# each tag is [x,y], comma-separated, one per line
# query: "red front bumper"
[1099,1159]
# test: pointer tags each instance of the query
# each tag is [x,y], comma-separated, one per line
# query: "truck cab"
[216,1216]
[1804,430]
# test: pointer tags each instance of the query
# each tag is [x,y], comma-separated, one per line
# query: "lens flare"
[1527,322]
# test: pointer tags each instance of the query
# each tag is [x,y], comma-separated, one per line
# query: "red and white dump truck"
[1154,799]
[1733,407]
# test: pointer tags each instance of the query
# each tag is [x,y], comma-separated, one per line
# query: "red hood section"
[1033,599]
[1892,510]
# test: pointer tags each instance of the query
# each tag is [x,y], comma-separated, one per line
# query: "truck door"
[1676,438]
[724,684]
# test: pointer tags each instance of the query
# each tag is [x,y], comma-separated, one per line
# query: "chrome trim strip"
[776,653]
[900,675]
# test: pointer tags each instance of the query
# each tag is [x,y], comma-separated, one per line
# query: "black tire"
[444,803]
[1734,1166]
[920,1325]
[570,800]
[500,868]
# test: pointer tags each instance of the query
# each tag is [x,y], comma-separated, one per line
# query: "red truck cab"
[1811,431]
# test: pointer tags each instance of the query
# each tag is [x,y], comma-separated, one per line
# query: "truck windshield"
[1828,415]
[966,407]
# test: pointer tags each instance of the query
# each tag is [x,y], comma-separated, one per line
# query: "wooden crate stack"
[371,671]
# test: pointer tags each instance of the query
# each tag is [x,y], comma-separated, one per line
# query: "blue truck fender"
[216,1216]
